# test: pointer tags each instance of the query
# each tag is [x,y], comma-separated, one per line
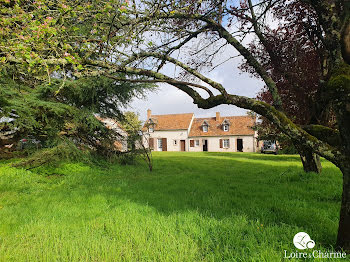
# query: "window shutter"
[151,143]
[164,144]
[191,143]
[228,143]
[220,143]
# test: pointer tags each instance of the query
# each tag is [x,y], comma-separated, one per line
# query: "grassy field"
[193,207]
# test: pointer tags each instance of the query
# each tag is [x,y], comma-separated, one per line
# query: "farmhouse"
[184,132]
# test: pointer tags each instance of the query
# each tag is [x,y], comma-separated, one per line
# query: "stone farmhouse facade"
[184,132]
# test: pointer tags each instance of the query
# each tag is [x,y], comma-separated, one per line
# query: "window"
[150,129]
[160,143]
[175,142]
[191,143]
[205,128]
[225,127]
[197,143]
[226,143]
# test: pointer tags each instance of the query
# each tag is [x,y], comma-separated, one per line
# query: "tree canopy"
[67,109]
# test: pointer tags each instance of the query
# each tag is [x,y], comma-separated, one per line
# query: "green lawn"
[193,207]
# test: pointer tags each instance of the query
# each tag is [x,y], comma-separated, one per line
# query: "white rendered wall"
[214,144]
[170,135]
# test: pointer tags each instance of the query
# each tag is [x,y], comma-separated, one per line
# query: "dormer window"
[225,125]
[205,126]
[150,125]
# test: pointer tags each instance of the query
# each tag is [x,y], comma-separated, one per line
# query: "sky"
[169,100]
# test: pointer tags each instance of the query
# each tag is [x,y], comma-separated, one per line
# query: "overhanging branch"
[168,81]
[279,119]
[262,108]
[213,25]
[174,61]
[326,134]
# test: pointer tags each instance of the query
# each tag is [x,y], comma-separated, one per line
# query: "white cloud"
[169,100]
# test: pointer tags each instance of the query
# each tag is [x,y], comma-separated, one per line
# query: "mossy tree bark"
[343,116]
[343,239]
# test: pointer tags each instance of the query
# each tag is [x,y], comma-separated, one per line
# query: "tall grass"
[193,207]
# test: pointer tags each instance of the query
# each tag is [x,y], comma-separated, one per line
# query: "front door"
[205,145]
[182,145]
[239,145]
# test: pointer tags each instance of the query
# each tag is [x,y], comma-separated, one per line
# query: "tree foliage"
[293,55]
[131,121]
[70,31]
[66,109]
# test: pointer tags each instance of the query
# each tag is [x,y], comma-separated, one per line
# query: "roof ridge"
[221,117]
[174,114]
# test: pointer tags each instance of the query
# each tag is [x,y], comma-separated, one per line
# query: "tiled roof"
[171,122]
[112,124]
[239,125]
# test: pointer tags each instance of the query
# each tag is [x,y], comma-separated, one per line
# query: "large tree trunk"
[311,161]
[343,118]
[343,239]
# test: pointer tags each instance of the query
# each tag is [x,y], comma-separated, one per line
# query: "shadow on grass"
[269,157]
[220,186]
[268,193]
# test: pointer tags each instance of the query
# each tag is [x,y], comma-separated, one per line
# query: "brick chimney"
[217,116]
[149,113]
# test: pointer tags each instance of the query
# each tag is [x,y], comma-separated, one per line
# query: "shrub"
[66,150]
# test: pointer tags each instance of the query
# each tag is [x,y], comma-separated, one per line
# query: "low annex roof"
[112,124]
[170,122]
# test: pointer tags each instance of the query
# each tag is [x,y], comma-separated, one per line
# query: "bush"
[64,151]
